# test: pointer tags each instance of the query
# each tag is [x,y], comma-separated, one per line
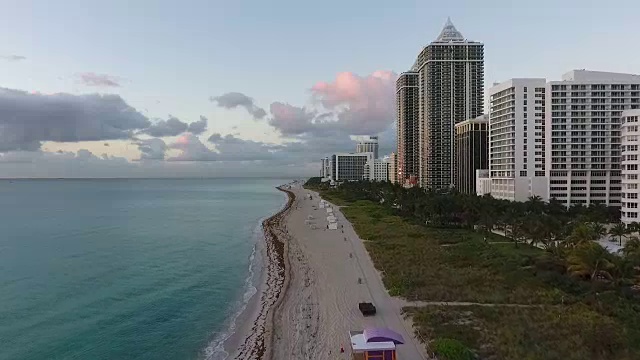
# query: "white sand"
[320,306]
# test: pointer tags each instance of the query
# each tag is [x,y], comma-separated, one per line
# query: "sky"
[253,88]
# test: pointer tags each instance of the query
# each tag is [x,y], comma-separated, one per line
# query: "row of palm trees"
[567,234]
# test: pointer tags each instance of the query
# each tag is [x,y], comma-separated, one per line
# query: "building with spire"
[450,82]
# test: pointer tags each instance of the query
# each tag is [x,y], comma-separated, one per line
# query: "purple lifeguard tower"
[375,344]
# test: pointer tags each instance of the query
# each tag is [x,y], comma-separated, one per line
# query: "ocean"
[127,269]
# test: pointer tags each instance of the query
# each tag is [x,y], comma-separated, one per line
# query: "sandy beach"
[308,308]
[255,332]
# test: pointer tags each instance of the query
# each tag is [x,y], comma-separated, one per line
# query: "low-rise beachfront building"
[483,182]
[376,170]
[630,172]
[350,166]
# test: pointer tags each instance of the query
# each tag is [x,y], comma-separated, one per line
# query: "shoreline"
[253,336]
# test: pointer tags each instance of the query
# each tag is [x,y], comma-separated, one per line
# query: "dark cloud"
[198,127]
[233,100]
[12,57]
[192,149]
[170,127]
[152,149]
[232,148]
[27,119]
[98,80]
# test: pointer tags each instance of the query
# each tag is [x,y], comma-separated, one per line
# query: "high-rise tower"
[408,129]
[368,144]
[451,89]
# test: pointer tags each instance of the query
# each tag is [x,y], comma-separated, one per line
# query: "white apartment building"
[483,182]
[325,171]
[376,170]
[517,139]
[393,167]
[350,166]
[583,155]
[630,172]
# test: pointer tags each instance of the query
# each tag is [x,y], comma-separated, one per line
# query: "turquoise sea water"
[125,269]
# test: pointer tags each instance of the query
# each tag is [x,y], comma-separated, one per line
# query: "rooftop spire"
[449,33]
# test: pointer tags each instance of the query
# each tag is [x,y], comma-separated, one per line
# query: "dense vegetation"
[580,299]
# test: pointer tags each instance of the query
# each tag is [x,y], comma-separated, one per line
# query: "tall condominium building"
[517,139]
[368,144]
[583,140]
[408,128]
[630,172]
[350,167]
[472,152]
[393,168]
[451,89]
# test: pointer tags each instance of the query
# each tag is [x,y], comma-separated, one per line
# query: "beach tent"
[329,210]
[375,344]
[321,205]
[331,219]
[333,226]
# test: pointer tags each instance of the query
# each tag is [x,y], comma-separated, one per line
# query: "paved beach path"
[320,306]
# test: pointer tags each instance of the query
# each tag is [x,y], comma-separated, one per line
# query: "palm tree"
[580,235]
[631,248]
[619,231]
[534,204]
[590,260]
[598,229]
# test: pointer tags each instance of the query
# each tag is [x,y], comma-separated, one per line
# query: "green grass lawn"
[573,321]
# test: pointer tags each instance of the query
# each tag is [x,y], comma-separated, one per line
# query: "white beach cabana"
[329,210]
[331,219]
[333,226]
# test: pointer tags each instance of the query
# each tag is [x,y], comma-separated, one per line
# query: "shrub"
[451,349]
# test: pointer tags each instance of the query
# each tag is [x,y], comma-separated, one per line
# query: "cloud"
[363,105]
[170,127]
[12,57]
[27,119]
[98,80]
[350,104]
[233,100]
[191,149]
[198,127]
[291,120]
[152,149]
[232,148]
